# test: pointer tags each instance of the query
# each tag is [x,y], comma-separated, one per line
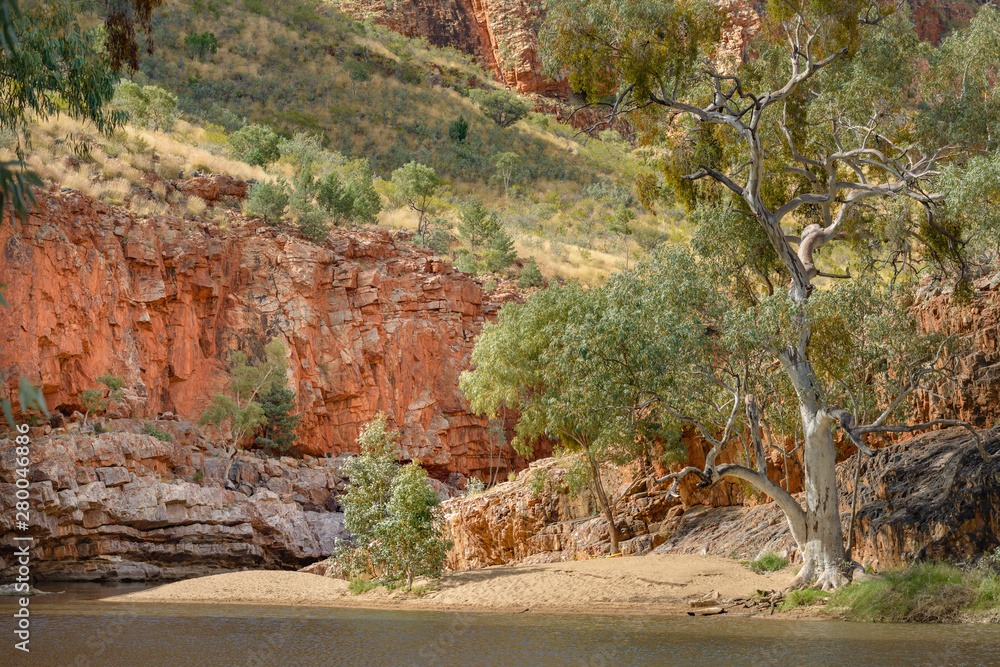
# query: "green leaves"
[391,511]
[241,407]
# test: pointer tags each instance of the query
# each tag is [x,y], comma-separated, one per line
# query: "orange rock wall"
[371,323]
[500,33]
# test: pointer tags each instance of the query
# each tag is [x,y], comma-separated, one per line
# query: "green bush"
[769,562]
[467,263]
[500,106]
[530,275]
[255,144]
[474,487]
[359,585]
[268,200]
[392,513]
[804,597]
[149,428]
[313,225]
[925,592]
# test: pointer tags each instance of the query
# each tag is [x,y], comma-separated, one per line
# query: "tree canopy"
[824,125]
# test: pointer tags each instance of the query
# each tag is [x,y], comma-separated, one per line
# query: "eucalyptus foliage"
[391,511]
[827,124]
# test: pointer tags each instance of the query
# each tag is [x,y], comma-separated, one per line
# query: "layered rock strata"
[372,323]
[502,34]
[123,505]
[930,497]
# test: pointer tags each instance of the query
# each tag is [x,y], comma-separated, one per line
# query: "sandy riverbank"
[645,584]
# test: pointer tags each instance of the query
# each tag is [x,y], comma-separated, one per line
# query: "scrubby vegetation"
[392,513]
[768,562]
[922,593]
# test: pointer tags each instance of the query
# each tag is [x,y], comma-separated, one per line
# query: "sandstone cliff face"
[371,323]
[502,34]
[127,506]
[929,497]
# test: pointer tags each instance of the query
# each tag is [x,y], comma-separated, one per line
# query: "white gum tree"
[823,124]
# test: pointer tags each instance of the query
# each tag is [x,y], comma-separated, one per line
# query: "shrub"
[313,225]
[500,106]
[391,511]
[530,275]
[149,428]
[925,592]
[458,130]
[474,487]
[439,242]
[359,585]
[769,562]
[255,144]
[804,597]
[467,263]
[268,200]
[278,432]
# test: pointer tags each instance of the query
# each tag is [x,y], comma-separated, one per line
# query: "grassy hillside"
[301,67]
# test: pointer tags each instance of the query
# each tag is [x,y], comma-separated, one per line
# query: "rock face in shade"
[929,497]
[371,323]
[502,34]
[127,506]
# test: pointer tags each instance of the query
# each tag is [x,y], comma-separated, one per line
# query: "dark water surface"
[74,629]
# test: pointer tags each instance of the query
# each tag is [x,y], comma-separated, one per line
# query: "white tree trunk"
[824,540]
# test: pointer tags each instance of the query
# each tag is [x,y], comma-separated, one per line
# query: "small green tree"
[334,197]
[416,185]
[201,45]
[95,400]
[313,225]
[366,202]
[278,433]
[502,107]
[500,251]
[268,200]
[621,227]
[359,73]
[477,224]
[146,106]
[508,169]
[411,529]
[530,275]
[458,130]
[393,515]
[368,494]
[257,145]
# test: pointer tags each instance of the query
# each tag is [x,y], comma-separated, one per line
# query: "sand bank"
[643,584]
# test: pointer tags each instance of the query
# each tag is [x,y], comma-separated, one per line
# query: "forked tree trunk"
[605,505]
[824,541]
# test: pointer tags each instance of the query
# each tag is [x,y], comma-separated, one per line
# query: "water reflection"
[73,629]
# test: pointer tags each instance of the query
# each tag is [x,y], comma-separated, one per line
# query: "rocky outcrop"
[502,34]
[127,506]
[973,394]
[535,519]
[371,322]
[929,497]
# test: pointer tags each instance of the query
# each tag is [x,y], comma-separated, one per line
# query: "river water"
[75,629]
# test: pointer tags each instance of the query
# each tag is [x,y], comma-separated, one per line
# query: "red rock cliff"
[500,33]
[371,323]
